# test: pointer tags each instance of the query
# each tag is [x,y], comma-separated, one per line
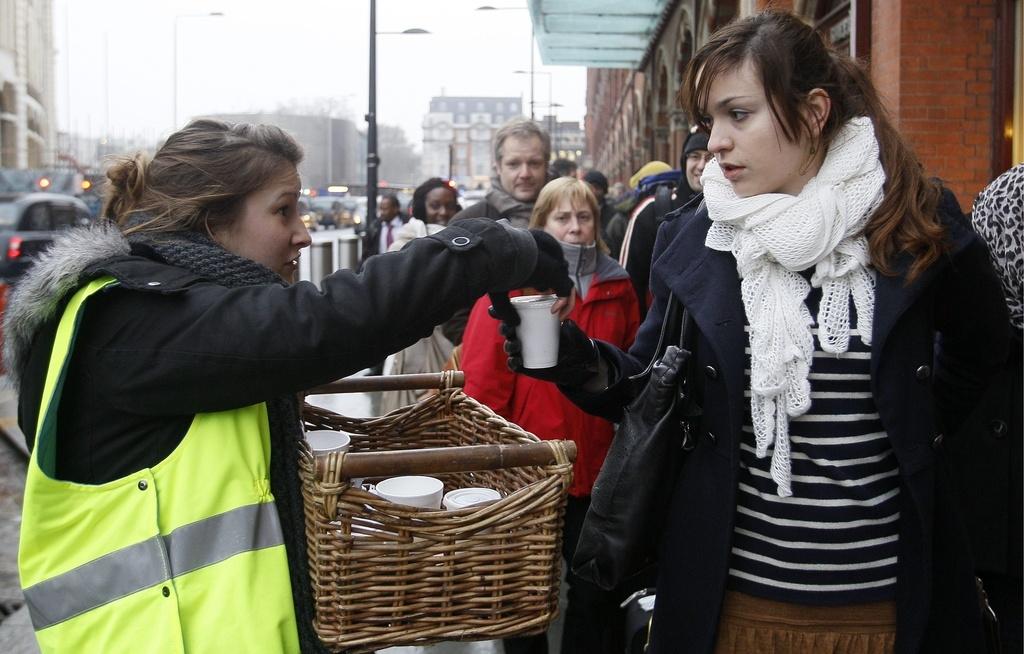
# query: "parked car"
[330,214]
[28,223]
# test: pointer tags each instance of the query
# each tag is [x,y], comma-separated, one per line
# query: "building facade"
[952,81]
[27,112]
[457,133]
[568,139]
[334,150]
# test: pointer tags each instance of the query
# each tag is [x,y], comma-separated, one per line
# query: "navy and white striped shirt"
[834,542]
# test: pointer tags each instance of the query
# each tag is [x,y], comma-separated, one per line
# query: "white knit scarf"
[774,236]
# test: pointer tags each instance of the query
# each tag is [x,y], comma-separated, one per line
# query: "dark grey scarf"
[582,262]
[203,256]
[517,213]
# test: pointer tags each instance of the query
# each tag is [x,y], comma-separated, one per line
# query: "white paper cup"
[412,490]
[325,441]
[537,330]
[460,498]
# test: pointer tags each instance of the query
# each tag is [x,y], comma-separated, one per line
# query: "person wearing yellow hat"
[635,255]
[650,168]
[655,183]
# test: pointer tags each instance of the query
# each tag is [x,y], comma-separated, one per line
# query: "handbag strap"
[669,325]
[687,407]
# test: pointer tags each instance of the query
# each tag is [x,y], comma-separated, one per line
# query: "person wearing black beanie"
[695,156]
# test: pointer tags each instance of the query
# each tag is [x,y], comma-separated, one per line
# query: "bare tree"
[399,161]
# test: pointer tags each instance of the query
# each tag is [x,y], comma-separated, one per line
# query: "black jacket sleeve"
[620,391]
[211,348]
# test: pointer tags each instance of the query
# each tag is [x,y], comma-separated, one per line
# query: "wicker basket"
[385,574]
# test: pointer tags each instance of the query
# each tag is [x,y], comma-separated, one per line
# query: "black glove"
[577,355]
[550,271]
[655,404]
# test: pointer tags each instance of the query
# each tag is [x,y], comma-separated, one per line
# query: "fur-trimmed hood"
[56,272]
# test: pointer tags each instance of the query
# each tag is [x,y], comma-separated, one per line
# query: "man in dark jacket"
[381,232]
[521,153]
[639,242]
[378,238]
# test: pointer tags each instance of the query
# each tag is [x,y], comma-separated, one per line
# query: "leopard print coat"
[998,217]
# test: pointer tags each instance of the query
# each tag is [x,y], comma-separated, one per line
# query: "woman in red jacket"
[608,310]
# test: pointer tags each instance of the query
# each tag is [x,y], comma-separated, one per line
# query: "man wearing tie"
[381,233]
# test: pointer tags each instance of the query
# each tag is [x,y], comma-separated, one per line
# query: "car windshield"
[8,213]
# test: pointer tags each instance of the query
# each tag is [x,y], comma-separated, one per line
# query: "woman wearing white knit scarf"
[874,319]
[775,236]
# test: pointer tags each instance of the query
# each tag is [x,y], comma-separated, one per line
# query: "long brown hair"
[200,177]
[792,59]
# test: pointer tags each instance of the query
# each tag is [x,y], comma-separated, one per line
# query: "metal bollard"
[348,251]
[321,260]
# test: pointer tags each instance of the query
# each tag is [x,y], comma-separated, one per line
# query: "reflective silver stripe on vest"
[155,560]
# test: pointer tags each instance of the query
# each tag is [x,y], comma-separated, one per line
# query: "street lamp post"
[212,14]
[553,129]
[372,158]
[371,123]
[532,36]
[531,73]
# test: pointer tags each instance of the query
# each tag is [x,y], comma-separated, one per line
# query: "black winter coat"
[935,340]
[986,455]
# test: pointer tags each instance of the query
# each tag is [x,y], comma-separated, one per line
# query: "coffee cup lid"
[463,497]
[534,299]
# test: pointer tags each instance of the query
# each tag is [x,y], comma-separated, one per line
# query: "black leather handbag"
[622,527]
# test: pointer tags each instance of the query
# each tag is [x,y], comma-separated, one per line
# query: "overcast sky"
[115,60]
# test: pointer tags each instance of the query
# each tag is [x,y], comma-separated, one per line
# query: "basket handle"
[437,460]
[425,380]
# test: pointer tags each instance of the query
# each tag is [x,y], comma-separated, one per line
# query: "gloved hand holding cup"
[536,318]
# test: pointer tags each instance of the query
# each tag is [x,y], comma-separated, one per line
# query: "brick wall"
[933,64]
[934,69]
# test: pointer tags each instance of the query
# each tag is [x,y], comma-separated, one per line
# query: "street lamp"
[490,8]
[372,159]
[212,14]
[531,73]
[553,129]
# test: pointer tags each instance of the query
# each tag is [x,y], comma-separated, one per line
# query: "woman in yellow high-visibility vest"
[157,356]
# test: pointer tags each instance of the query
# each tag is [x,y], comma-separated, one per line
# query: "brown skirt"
[751,625]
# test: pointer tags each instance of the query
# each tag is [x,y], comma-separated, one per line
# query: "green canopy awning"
[595,33]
